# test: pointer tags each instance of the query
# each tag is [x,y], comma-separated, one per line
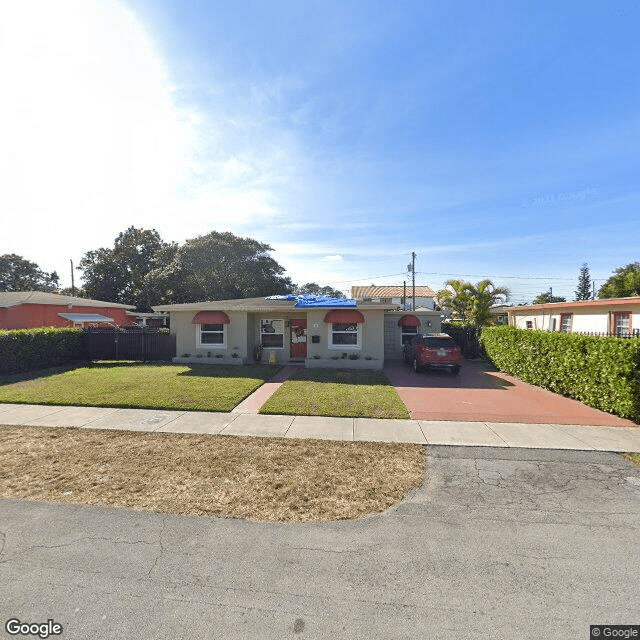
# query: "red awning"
[409,321]
[343,316]
[210,317]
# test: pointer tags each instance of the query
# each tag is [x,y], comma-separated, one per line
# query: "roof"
[578,304]
[15,298]
[393,291]
[253,304]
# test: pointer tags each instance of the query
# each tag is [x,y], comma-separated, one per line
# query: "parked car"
[432,350]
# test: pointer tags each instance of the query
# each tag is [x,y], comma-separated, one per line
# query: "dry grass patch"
[257,478]
[632,457]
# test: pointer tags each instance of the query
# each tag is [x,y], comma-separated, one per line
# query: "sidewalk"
[426,432]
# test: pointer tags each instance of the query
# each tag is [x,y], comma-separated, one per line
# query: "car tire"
[415,365]
[455,370]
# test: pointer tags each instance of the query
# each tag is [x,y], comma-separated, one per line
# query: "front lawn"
[259,478]
[342,393]
[141,386]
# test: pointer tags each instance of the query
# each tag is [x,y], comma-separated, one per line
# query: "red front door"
[299,338]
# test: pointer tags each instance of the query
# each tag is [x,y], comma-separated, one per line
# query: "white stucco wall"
[583,320]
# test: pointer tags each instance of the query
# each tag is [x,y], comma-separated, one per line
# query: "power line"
[475,275]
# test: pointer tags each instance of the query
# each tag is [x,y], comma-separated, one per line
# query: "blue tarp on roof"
[306,300]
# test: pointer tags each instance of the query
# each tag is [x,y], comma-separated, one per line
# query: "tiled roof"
[394,291]
[14,298]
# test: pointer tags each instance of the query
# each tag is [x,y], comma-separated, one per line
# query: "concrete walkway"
[432,432]
[253,403]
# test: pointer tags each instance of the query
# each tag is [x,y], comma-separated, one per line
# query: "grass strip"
[337,392]
[257,478]
[140,385]
[632,457]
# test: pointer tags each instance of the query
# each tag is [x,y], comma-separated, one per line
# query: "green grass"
[140,385]
[341,393]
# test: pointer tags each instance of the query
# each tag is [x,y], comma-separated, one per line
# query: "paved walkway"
[490,434]
[253,403]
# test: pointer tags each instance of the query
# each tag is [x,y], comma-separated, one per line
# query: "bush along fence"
[602,372]
[467,338]
[30,349]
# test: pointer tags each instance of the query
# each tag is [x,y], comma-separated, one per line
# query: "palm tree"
[484,295]
[456,298]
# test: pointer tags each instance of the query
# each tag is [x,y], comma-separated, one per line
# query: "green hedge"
[29,349]
[601,372]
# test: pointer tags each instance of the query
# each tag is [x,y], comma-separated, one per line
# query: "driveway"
[481,393]
[495,544]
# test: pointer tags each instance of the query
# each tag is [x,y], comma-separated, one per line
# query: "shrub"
[466,337]
[29,349]
[601,372]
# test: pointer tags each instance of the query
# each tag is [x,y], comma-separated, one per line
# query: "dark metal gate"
[131,343]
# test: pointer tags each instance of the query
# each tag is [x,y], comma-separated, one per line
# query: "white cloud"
[91,139]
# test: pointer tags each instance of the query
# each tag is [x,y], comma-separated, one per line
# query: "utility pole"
[412,267]
[404,295]
[73,286]
[413,273]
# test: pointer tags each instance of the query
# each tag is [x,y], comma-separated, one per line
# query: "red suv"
[436,350]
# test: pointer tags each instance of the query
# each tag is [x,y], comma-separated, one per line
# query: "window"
[622,323]
[272,334]
[408,333]
[565,322]
[344,335]
[529,324]
[439,343]
[212,335]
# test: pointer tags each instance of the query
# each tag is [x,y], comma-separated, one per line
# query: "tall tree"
[624,283]
[471,303]
[118,274]
[583,292]
[315,289]
[219,266]
[485,295]
[19,274]
[455,298]
[546,297]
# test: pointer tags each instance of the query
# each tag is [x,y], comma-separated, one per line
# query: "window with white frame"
[344,335]
[408,333]
[566,322]
[272,334]
[622,321]
[212,335]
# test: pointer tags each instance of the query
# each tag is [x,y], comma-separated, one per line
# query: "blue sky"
[495,140]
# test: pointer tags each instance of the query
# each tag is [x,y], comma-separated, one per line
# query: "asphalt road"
[495,544]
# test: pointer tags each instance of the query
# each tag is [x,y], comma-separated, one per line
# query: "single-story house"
[499,313]
[328,332]
[28,309]
[396,294]
[616,316]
